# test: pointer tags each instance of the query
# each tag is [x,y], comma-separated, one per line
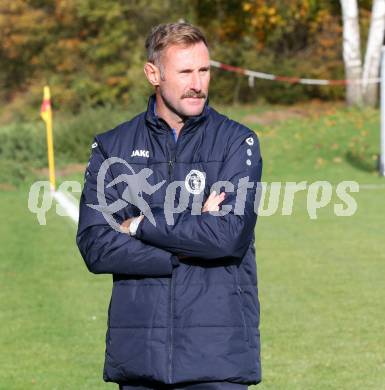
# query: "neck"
[172,118]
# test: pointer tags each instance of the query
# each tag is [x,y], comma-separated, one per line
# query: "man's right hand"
[213,201]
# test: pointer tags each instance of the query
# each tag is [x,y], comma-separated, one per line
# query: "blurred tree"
[352,50]
[92,52]
[294,38]
[367,92]
[373,52]
[22,37]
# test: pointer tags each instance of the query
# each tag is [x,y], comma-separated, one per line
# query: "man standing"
[184,310]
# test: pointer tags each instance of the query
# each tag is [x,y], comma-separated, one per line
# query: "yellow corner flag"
[46,114]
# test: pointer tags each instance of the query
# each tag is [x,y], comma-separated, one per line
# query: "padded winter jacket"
[184,303]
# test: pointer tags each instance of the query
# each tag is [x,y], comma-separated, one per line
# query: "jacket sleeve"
[104,249]
[209,236]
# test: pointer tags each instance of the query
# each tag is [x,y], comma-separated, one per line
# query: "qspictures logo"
[268,199]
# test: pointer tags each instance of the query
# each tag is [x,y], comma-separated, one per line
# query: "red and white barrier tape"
[291,80]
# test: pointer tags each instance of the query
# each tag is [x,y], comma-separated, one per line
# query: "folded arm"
[211,236]
[106,250]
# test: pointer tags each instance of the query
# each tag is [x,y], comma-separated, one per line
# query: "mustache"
[193,94]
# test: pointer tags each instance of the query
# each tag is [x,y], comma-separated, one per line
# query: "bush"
[74,135]
[14,173]
[24,143]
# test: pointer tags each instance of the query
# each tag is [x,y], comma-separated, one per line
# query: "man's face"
[186,77]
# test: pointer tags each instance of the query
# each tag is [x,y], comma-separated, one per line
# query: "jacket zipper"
[172,284]
[172,157]
[171,328]
[170,166]
[171,162]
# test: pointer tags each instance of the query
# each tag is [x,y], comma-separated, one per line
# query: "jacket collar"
[160,126]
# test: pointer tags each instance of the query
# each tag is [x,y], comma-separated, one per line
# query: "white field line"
[372,186]
[68,205]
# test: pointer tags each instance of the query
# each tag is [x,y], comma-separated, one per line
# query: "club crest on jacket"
[195,182]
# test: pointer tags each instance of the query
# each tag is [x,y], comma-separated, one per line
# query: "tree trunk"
[352,50]
[373,52]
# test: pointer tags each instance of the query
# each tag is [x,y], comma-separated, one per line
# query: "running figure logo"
[137,184]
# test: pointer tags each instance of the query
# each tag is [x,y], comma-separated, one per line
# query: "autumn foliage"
[91,52]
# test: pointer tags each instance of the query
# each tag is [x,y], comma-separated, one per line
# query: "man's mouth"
[194,95]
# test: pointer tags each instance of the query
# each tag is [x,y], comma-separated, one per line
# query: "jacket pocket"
[241,304]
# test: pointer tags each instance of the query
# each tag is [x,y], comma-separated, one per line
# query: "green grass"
[321,281]
[322,297]
[340,144]
[53,313]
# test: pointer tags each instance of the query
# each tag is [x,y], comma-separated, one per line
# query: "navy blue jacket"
[184,303]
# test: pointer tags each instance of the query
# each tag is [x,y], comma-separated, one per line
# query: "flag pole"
[46,114]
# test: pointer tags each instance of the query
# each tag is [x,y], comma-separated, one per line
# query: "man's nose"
[196,83]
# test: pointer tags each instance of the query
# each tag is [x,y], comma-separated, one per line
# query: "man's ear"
[152,73]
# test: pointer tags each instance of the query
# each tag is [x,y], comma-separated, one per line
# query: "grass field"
[321,281]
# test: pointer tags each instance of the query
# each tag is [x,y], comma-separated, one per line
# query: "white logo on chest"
[140,153]
[195,182]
